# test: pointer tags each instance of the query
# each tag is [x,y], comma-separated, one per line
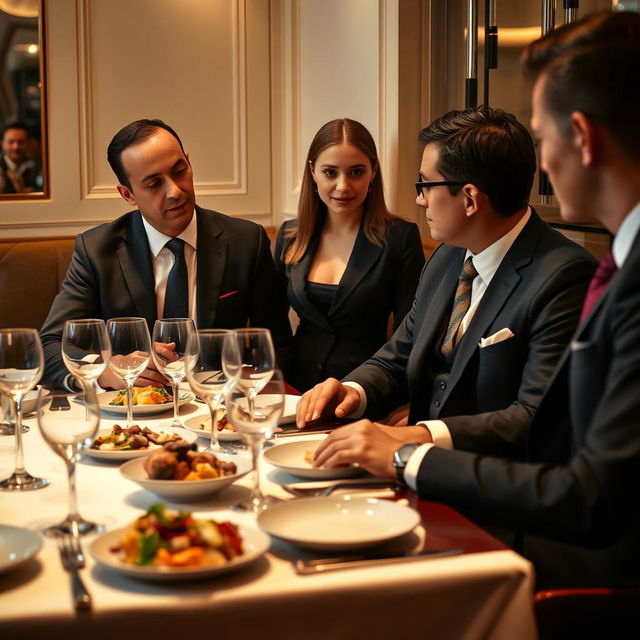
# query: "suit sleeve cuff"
[359,412]
[413,465]
[69,383]
[439,432]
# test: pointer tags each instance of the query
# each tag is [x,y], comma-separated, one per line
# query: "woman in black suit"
[346,262]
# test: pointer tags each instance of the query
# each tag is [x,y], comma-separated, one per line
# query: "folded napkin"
[499,336]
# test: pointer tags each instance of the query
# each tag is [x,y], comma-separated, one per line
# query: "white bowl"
[106,397]
[17,545]
[184,490]
[338,523]
[290,457]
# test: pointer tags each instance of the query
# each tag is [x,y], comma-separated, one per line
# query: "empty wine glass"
[258,361]
[68,435]
[256,425]
[86,349]
[131,352]
[214,372]
[174,353]
[21,365]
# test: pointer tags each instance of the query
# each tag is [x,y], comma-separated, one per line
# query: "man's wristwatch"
[401,457]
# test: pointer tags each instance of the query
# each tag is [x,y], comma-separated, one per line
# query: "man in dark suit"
[123,268]
[18,172]
[574,496]
[482,391]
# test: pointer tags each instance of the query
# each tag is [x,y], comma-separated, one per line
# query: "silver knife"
[321,565]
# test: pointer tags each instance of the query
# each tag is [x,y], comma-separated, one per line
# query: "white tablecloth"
[480,595]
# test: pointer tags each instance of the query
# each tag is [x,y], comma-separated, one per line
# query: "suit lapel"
[134,257]
[500,289]
[211,257]
[298,275]
[363,256]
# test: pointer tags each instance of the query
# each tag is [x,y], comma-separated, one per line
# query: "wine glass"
[21,365]
[86,349]
[256,425]
[214,372]
[131,352]
[174,354]
[68,435]
[258,361]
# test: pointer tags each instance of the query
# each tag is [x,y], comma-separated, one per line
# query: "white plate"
[30,400]
[289,411]
[17,545]
[255,545]
[136,453]
[338,523]
[184,490]
[290,457]
[140,409]
[193,424]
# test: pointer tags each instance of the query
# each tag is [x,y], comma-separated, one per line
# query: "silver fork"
[73,560]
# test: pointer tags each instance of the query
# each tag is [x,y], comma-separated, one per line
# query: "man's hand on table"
[369,444]
[330,397]
[150,376]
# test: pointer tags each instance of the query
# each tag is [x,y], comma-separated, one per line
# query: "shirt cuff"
[413,465]
[439,432]
[70,383]
[361,408]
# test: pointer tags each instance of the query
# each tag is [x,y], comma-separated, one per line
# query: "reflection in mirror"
[22,104]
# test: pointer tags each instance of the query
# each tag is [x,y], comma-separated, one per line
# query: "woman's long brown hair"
[376,217]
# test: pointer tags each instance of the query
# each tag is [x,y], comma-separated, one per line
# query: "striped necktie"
[461,304]
[176,296]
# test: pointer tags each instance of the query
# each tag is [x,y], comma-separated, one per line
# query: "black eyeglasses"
[441,183]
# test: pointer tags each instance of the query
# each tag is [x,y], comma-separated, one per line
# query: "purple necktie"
[601,277]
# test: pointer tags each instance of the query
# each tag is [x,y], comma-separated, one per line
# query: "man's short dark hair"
[131,134]
[488,148]
[591,66]
[14,125]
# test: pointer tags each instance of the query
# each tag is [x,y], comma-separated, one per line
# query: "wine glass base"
[85,527]
[255,505]
[9,429]
[23,482]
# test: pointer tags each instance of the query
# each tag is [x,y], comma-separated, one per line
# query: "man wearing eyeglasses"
[496,305]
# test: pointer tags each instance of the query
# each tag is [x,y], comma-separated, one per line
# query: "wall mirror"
[23,144]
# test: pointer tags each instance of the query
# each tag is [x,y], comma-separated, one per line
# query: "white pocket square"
[499,336]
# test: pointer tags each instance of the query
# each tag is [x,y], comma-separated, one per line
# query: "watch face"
[404,452]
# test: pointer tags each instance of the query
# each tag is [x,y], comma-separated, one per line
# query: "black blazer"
[575,497]
[378,281]
[491,393]
[111,275]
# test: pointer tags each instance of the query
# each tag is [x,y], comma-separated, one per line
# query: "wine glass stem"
[256,495]
[17,410]
[213,404]
[73,498]
[176,412]
[129,402]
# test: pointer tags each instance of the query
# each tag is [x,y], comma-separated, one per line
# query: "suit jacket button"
[436,403]
[318,367]
[443,385]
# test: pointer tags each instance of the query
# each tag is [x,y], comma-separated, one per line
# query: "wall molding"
[238,185]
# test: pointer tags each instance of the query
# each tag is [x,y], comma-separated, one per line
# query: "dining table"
[483,591]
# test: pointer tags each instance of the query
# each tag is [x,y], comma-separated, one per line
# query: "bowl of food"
[201,425]
[179,473]
[125,443]
[165,545]
[147,400]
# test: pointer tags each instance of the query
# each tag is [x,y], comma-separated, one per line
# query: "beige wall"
[246,83]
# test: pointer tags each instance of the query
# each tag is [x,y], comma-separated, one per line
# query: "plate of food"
[296,458]
[17,545]
[201,425]
[163,545]
[179,473]
[146,400]
[338,523]
[125,443]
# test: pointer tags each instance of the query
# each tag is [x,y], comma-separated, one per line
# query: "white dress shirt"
[163,260]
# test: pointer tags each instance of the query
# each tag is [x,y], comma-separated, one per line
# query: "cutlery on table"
[321,565]
[60,403]
[313,489]
[72,559]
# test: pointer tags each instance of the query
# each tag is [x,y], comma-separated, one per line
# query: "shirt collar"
[488,260]
[627,232]
[157,239]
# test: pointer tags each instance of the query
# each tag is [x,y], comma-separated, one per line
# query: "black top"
[321,295]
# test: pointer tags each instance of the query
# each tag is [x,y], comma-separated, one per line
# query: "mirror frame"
[45,194]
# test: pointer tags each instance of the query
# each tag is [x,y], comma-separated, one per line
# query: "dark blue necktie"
[176,296]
